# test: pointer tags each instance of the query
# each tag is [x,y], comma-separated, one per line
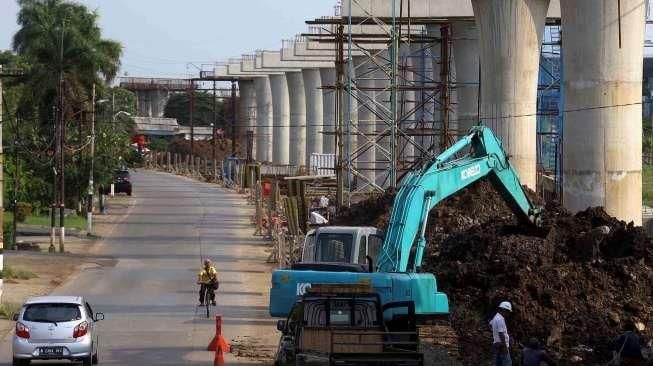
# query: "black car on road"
[122,182]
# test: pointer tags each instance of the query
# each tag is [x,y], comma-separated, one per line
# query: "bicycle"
[208,295]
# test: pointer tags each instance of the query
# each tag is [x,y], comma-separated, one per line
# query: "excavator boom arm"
[405,241]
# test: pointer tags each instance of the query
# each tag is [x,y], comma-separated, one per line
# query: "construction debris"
[573,283]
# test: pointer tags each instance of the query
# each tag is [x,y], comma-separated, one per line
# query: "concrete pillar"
[328,77]
[602,144]
[247,111]
[263,119]
[281,119]
[158,101]
[510,33]
[466,61]
[143,103]
[365,73]
[314,112]
[297,118]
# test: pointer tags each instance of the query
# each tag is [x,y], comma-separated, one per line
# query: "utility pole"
[190,116]
[339,113]
[234,138]
[89,211]
[214,155]
[59,154]
[15,198]
[1,190]
[53,207]
[62,178]
[113,109]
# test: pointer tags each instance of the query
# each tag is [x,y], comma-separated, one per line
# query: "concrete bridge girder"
[424,8]
[273,60]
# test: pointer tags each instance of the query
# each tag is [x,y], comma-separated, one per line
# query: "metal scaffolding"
[393,96]
[549,115]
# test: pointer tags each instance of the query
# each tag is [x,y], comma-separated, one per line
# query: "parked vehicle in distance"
[122,182]
[56,328]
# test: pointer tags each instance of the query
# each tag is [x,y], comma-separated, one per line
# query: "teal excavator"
[396,277]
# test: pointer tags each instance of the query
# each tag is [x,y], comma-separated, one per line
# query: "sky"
[173,38]
[177,38]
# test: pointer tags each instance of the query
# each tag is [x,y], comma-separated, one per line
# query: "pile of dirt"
[573,282]
[202,148]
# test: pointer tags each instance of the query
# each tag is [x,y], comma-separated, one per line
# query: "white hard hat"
[505,305]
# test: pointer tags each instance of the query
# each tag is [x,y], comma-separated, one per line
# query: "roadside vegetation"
[73,221]
[647,184]
[60,54]
[9,273]
[647,166]
[7,310]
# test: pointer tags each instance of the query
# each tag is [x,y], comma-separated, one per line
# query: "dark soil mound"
[573,283]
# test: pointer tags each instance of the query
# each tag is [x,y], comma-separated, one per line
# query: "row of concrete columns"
[294,117]
[602,83]
[602,61]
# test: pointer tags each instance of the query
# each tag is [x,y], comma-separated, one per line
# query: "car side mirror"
[99,317]
[15,317]
[281,325]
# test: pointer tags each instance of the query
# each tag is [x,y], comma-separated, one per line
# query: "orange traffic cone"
[219,358]
[218,343]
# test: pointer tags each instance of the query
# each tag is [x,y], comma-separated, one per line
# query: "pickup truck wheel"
[20,362]
[439,345]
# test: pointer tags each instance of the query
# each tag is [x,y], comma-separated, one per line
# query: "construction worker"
[532,355]
[208,281]
[628,348]
[500,337]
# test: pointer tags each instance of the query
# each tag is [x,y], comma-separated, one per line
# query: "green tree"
[61,38]
[178,107]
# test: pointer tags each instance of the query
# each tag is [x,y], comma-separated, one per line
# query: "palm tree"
[61,38]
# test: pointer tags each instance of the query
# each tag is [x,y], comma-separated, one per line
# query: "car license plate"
[51,351]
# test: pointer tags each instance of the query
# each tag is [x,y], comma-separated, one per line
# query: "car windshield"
[334,247]
[122,175]
[52,313]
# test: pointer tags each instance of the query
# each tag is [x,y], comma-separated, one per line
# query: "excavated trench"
[572,285]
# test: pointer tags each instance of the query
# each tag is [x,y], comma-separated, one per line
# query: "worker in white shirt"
[500,337]
[316,219]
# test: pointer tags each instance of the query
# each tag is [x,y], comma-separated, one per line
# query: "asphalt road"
[149,297]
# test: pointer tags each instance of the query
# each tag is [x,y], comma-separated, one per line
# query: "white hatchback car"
[56,328]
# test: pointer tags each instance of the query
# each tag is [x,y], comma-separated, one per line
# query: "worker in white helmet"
[500,337]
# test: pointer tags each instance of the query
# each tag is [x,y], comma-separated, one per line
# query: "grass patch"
[9,309]
[9,273]
[71,221]
[647,184]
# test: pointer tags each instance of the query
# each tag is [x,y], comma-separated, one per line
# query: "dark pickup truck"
[343,325]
